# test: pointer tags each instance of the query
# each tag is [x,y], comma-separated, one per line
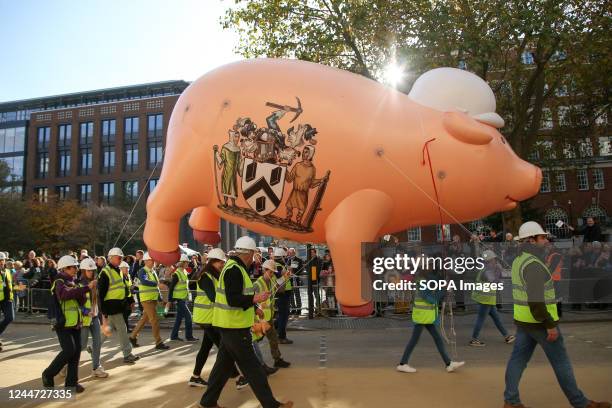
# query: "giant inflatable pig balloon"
[309,153]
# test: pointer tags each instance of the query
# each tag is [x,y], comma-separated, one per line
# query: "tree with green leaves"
[528,50]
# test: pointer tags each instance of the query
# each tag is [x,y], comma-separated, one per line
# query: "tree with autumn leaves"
[530,51]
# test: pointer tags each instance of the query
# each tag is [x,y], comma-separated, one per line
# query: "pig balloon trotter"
[293,149]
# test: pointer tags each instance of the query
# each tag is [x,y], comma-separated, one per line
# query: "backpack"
[54,309]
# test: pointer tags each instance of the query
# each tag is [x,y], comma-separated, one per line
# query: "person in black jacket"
[214,265]
[591,231]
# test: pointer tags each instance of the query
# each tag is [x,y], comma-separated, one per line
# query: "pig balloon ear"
[464,128]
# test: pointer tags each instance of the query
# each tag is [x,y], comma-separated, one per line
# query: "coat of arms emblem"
[265,159]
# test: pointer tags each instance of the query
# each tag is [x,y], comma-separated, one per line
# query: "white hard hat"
[88,264]
[279,252]
[184,258]
[115,252]
[66,261]
[269,264]
[530,229]
[2,256]
[146,257]
[245,243]
[216,253]
[124,264]
[488,255]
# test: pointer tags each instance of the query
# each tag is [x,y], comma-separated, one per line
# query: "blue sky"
[51,47]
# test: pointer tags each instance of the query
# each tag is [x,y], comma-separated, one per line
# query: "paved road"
[351,368]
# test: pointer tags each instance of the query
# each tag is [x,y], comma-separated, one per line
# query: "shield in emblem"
[263,185]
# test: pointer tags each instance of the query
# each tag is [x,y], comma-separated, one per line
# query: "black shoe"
[241,383]
[280,363]
[131,359]
[192,339]
[77,388]
[269,370]
[161,346]
[285,341]
[197,382]
[176,339]
[47,381]
[134,342]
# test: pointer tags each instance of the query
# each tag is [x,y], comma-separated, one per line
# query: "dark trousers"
[210,337]
[236,345]
[182,312]
[8,312]
[282,302]
[70,342]
[414,339]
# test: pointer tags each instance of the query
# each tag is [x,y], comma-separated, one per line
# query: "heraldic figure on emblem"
[263,158]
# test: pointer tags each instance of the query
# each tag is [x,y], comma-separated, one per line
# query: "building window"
[560,179]
[595,212]
[569,151]
[12,140]
[108,193]
[153,184]
[547,122]
[154,139]
[130,128]
[42,168]
[598,179]
[414,234]
[131,156]
[583,179]
[130,189]
[15,165]
[108,145]
[563,116]
[527,58]
[44,137]
[42,194]
[155,126]
[545,186]
[447,232]
[85,193]
[64,136]
[548,149]
[63,169]
[585,147]
[86,148]
[62,192]
[86,134]
[605,146]
[108,159]
[551,222]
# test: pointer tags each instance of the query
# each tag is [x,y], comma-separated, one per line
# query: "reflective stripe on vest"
[202,306]
[116,284]
[482,297]
[423,312]
[262,286]
[229,317]
[522,312]
[6,274]
[180,290]
[70,308]
[149,293]
[87,305]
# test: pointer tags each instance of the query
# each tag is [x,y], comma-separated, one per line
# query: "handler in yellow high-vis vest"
[203,312]
[149,296]
[233,315]
[425,315]
[6,295]
[69,298]
[113,293]
[178,292]
[487,299]
[269,283]
[536,319]
[91,321]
